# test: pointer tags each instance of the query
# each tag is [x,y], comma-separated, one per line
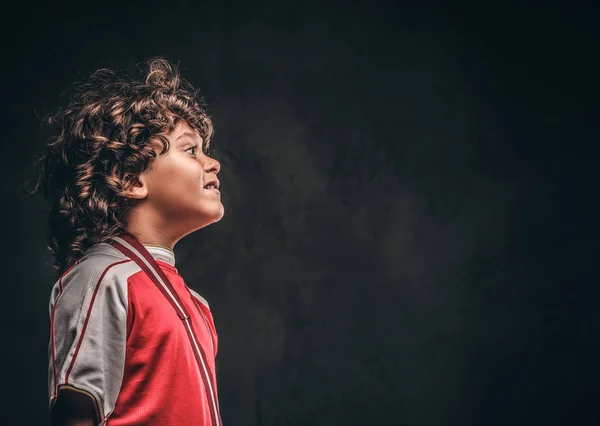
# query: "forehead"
[181,134]
[183,131]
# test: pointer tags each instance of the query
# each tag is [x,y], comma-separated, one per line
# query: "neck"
[150,232]
[151,237]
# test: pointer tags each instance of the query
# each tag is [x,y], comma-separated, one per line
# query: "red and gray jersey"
[115,338]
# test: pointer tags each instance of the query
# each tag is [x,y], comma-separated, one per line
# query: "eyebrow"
[205,145]
[187,134]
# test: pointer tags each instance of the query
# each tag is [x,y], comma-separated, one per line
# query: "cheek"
[188,173]
[195,176]
[177,178]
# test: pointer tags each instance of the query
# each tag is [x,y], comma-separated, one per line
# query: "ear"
[139,190]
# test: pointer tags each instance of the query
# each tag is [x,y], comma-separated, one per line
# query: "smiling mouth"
[213,184]
[212,188]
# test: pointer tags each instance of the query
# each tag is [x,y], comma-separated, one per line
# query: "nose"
[211,165]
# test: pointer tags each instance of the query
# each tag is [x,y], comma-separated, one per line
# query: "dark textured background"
[410,195]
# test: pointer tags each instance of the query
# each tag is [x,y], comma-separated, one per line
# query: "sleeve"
[88,323]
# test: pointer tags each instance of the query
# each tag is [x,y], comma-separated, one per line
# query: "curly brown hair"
[100,145]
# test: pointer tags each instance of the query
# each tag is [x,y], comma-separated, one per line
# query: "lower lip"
[215,190]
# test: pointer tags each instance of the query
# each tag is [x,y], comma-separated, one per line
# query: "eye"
[194,148]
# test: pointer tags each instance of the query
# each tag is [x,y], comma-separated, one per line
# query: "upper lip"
[215,182]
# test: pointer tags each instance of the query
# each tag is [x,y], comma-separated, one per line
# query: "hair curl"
[100,145]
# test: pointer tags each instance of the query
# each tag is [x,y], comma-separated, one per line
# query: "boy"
[129,176]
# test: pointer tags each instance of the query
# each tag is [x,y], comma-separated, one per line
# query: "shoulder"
[101,266]
[199,298]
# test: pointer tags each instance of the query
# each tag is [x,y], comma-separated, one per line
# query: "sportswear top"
[116,338]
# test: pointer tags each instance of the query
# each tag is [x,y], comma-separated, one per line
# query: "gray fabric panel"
[99,364]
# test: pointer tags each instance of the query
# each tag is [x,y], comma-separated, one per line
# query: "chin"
[215,215]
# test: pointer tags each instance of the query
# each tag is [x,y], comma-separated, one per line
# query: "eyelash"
[207,153]
[192,147]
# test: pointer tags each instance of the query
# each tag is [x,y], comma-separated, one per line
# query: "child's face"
[176,182]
